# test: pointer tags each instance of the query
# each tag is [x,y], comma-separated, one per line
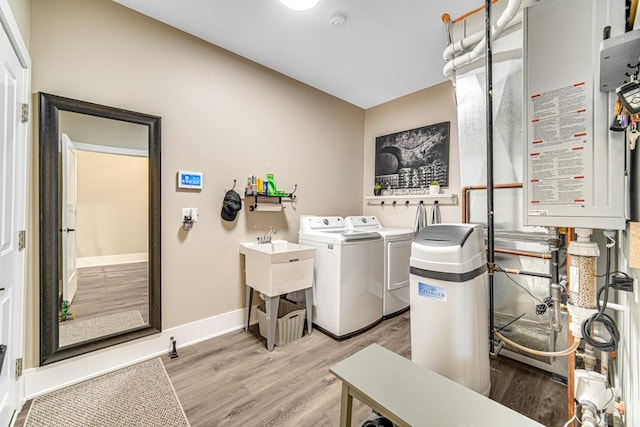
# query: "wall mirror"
[99,226]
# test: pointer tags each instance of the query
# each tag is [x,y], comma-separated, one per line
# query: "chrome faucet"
[267,236]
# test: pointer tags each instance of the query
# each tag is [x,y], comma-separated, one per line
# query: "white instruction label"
[574,278]
[557,146]
[437,293]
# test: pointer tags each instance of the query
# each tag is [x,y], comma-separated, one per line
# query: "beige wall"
[100,131]
[112,216]
[429,106]
[221,115]
[20,10]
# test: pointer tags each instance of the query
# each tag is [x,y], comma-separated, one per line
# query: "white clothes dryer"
[347,275]
[397,253]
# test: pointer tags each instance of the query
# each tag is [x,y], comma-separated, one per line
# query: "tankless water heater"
[574,171]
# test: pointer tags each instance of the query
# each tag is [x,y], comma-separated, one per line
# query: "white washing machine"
[397,253]
[347,275]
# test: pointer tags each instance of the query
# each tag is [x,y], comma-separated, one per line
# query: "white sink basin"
[278,267]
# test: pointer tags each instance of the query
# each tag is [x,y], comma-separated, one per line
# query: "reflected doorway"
[104,223]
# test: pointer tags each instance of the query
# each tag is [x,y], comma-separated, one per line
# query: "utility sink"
[278,267]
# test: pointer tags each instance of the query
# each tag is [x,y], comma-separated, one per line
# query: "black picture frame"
[410,160]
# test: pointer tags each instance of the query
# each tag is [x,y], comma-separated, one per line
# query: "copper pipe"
[632,14]
[465,197]
[465,194]
[523,253]
[571,361]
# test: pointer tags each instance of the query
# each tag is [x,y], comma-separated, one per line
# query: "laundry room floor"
[233,381]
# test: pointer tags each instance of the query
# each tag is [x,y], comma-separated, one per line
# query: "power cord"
[601,317]
[546,303]
[523,288]
[510,323]
[541,308]
[622,282]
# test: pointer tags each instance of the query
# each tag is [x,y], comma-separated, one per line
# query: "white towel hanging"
[421,218]
[435,213]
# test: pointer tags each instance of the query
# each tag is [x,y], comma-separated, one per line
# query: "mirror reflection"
[99,198]
[104,242]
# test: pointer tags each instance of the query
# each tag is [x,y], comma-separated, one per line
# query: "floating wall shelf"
[267,203]
[413,199]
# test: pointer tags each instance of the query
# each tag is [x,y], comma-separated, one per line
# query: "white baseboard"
[41,380]
[95,261]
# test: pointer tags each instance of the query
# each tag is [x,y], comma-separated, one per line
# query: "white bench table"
[411,395]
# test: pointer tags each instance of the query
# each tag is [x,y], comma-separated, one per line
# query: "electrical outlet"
[192,213]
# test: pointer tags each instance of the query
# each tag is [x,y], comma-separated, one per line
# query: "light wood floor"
[233,381]
[112,289]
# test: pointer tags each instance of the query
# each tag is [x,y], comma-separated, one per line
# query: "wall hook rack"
[232,188]
[413,199]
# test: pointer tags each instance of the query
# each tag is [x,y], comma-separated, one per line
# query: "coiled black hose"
[601,317]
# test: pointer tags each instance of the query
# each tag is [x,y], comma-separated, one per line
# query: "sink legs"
[271,305]
[308,299]
[271,311]
[248,298]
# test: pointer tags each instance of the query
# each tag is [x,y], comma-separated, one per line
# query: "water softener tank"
[448,298]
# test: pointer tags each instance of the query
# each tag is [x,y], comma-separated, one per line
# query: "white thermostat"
[191,180]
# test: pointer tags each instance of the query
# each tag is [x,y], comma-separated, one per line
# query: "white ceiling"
[385,50]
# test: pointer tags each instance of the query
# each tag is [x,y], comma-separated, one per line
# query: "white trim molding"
[105,149]
[96,261]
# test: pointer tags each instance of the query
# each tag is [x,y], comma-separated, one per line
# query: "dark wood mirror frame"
[50,106]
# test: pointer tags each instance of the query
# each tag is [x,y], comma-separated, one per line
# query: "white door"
[13,188]
[69,173]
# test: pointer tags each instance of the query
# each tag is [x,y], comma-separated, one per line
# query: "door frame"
[69,284]
[12,32]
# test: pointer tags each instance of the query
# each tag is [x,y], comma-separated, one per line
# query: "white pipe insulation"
[509,13]
[466,43]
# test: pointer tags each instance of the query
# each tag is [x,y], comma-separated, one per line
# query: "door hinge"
[18,367]
[22,239]
[25,112]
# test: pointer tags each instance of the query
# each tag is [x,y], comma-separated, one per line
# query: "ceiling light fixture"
[300,5]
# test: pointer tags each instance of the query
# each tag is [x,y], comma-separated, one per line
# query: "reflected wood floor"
[233,381]
[109,289]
